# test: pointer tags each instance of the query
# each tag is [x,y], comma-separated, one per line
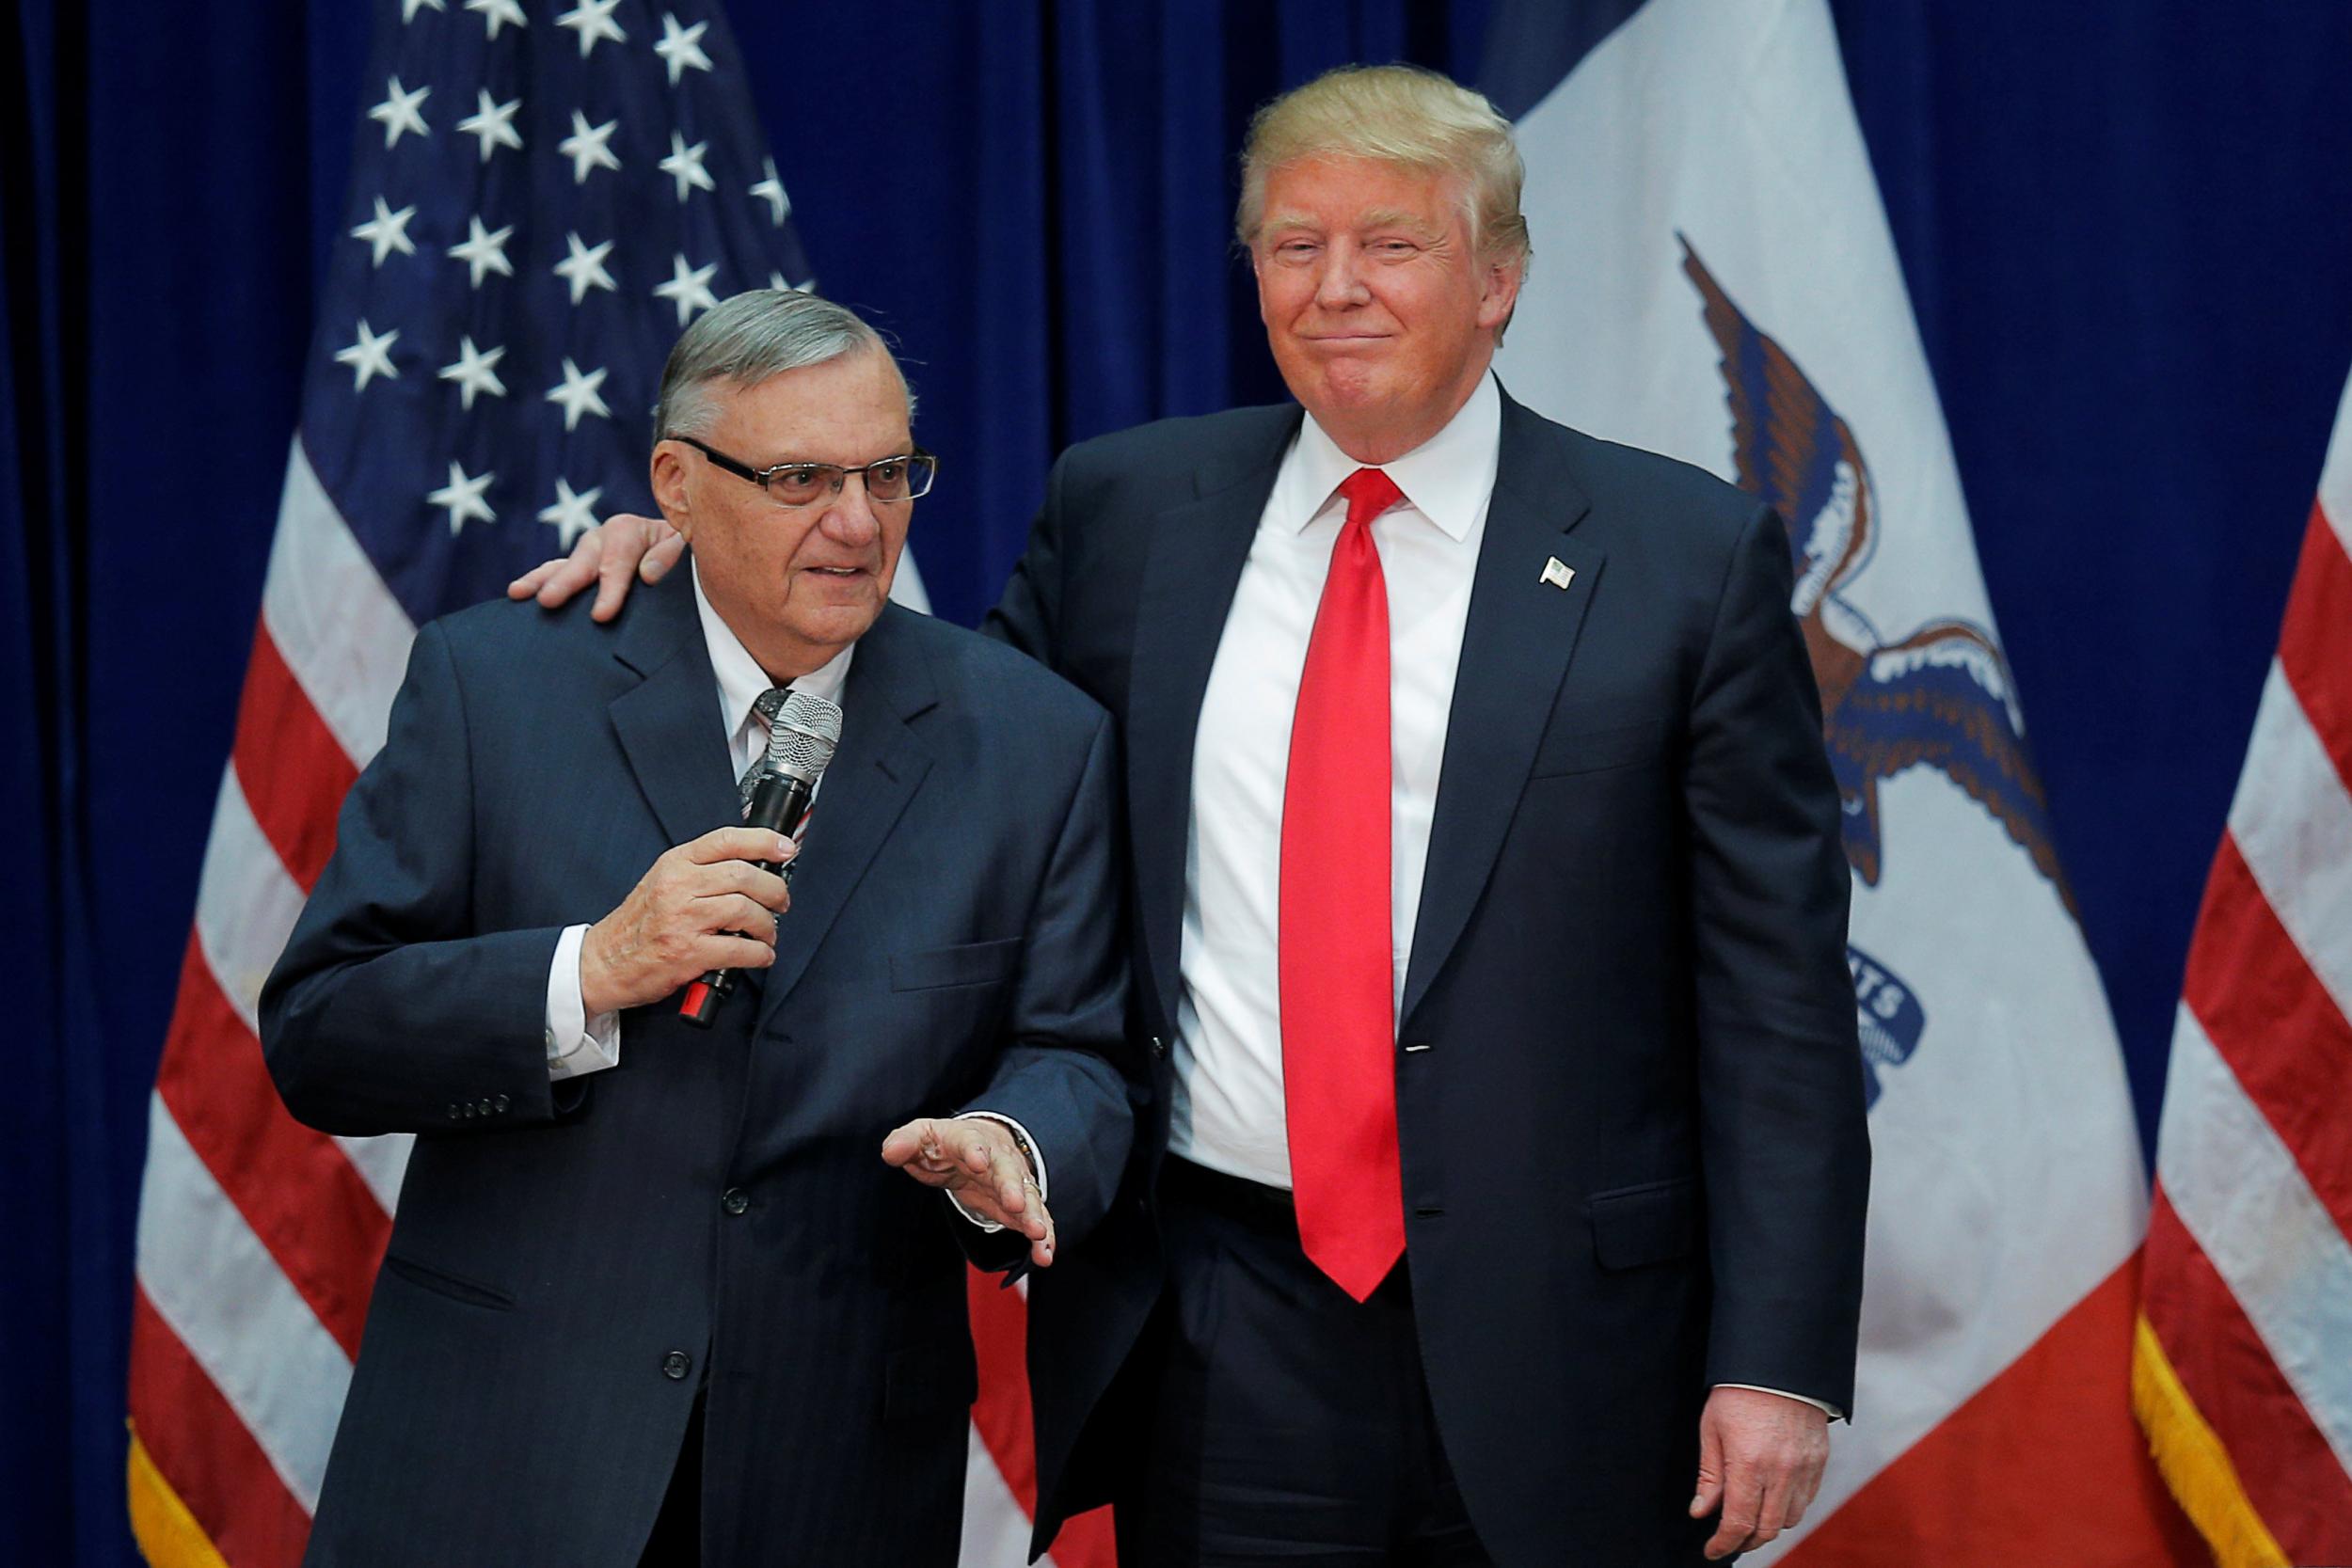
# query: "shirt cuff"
[1830,1410]
[1028,1147]
[575,1042]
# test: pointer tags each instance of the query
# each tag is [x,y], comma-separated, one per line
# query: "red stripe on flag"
[2043,1464]
[2315,641]
[1000,1322]
[319,1221]
[2285,1465]
[2276,1026]
[294,771]
[212,1462]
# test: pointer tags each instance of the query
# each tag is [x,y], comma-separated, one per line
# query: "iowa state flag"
[1714,279]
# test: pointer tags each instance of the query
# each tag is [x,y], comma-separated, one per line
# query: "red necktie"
[1339,1032]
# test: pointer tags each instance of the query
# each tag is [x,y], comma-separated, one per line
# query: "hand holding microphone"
[710,905]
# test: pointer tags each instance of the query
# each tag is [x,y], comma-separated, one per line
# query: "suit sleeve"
[387,1012]
[1783,1140]
[1066,1025]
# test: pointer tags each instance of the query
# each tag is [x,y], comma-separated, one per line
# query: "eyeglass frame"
[743,470]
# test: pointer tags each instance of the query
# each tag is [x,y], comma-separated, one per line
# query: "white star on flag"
[685,166]
[681,47]
[370,357]
[473,371]
[585,147]
[572,515]
[387,231]
[462,498]
[689,288]
[578,395]
[496,12]
[770,190]
[398,112]
[775,280]
[583,269]
[484,252]
[493,123]
[408,8]
[593,20]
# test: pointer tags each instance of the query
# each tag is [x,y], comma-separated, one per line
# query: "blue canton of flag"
[540,201]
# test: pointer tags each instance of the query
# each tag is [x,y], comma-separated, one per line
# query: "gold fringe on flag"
[168,1535]
[2194,1463]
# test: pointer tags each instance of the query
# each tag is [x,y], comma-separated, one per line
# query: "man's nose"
[850,518]
[1342,281]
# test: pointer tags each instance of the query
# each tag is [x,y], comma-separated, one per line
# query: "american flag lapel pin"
[1557,574]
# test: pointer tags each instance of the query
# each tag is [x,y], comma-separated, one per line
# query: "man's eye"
[888,473]
[797,478]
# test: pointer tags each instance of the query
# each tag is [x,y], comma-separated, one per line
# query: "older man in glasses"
[655,1293]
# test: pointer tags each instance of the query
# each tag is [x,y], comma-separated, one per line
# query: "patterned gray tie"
[767,706]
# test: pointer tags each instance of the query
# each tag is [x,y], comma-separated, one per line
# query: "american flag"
[2243,1364]
[541,198]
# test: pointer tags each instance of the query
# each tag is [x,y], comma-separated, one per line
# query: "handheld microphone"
[801,741]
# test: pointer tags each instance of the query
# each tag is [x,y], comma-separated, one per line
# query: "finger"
[1742,1503]
[1041,1247]
[903,1146]
[664,554]
[615,570]
[739,844]
[574,572]
[529,583]
[755,880]
[737,915]
[731,952]
[1709,1491]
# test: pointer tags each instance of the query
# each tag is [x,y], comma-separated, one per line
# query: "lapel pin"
[1557,575]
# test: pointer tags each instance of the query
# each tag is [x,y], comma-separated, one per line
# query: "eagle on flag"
[1941,697]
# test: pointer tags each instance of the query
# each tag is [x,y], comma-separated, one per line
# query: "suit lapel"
[1516,646]
[874,773]
[1196,553]
[668,723]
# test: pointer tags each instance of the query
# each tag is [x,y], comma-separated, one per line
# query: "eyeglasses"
[903,478]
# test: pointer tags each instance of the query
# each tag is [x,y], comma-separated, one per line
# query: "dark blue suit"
[1630,1100]
[572,1262]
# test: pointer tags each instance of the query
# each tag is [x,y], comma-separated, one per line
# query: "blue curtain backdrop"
[2124,229]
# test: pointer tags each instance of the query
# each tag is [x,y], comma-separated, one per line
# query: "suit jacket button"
[456,1112]
[498,1104]
[1159,1046]
[735,1200]
[675,1365]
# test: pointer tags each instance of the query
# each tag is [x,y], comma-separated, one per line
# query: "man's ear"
[668,488]
[1501,293]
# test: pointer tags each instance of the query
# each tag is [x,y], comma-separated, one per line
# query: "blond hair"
[1402,114]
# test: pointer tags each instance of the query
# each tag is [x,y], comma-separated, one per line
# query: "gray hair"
[749,338]
[1401,115]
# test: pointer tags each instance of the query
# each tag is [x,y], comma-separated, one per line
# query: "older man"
[655,1293]
[1489,902]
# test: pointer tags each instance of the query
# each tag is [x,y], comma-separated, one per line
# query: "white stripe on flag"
[995,1530]
[217,1288]
[381,1163]
[342,634]
[2335,478]
[2293,821]
[2238,1190]
[246,903]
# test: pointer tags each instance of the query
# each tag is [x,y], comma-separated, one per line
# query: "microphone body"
[800,740]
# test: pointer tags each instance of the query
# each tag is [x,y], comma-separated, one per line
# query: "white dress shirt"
[1228,1112]
[577,1043]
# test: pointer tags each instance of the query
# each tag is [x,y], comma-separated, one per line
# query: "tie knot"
[767,701]
[1370,492]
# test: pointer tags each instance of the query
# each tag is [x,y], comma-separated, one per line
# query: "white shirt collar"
[740,678]
[1447,479]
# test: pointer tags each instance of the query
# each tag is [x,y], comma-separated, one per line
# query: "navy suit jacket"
[571,1262]
[1635,1160]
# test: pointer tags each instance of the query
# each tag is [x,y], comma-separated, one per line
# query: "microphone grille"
[802,734]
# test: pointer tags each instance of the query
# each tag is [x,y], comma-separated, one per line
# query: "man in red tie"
[1506,1204]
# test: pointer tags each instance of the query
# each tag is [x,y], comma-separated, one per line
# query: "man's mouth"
[838,571]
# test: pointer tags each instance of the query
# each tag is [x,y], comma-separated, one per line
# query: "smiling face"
[795,585]
[1379,315]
